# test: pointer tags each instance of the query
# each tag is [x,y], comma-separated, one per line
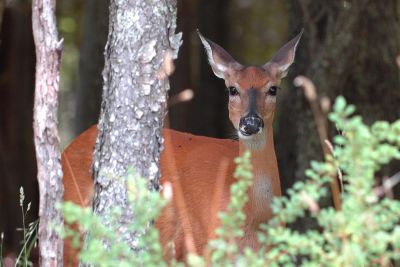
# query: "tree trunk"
[134,100]
[47,143]
[349,48]
[91,63]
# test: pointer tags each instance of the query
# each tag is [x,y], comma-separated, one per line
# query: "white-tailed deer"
[192,164]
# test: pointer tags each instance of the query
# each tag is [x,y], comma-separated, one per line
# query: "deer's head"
[252,89]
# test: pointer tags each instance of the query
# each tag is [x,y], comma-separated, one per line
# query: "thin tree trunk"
[134,100]
[47,143]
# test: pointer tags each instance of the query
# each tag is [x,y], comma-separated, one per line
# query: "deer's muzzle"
[251,124]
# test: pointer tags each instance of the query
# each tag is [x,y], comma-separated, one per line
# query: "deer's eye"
[273,90]
[233,91]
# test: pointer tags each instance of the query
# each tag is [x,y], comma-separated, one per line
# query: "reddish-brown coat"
[189,160]
[252,77]
[193,164]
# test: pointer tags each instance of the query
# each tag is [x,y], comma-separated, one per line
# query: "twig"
[387,186]
[311,203]
[183,96]
[1,248]
[338,170]
[167,66]
[320,120]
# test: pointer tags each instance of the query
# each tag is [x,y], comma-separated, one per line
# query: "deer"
[190,163]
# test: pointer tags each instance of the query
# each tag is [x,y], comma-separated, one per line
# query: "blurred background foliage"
[349,48]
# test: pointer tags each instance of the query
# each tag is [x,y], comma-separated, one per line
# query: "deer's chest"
[261,198]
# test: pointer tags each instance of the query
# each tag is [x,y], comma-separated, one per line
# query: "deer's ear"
[285,56]
[221,62]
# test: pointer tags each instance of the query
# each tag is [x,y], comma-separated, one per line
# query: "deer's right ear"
[221,62]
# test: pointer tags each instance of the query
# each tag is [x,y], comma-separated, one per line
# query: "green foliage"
[145,204]
[224,248]
[365,232]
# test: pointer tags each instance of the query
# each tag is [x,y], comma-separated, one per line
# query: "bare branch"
[320,120]
[183,96]
[387,186]
[311,203]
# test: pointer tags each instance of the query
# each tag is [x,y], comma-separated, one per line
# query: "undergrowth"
[29,236]
[364,232]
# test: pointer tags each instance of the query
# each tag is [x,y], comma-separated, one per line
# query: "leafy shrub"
[146,205]
[364,232]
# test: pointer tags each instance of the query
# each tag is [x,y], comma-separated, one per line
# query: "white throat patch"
[254,142]
[262,195]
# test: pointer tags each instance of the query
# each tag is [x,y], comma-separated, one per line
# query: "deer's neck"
[265,175]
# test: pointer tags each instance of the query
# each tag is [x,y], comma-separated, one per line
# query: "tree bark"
[47,143]
[134,100]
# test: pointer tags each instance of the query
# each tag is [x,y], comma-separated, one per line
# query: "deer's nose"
[251,124]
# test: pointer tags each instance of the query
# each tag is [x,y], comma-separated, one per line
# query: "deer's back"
[192,161]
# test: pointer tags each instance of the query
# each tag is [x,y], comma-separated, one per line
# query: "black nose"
[250,125]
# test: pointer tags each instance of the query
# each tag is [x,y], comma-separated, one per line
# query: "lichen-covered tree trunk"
[134,100]
[45,126]
[349,48]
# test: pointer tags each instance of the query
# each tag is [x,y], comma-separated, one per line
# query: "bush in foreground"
[364,232]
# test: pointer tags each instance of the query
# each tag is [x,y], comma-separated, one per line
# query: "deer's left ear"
[220,60]
[284,57]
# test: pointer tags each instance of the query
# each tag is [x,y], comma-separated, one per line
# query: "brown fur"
[197,176]
[191,154]
[194,165]
[196,170]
